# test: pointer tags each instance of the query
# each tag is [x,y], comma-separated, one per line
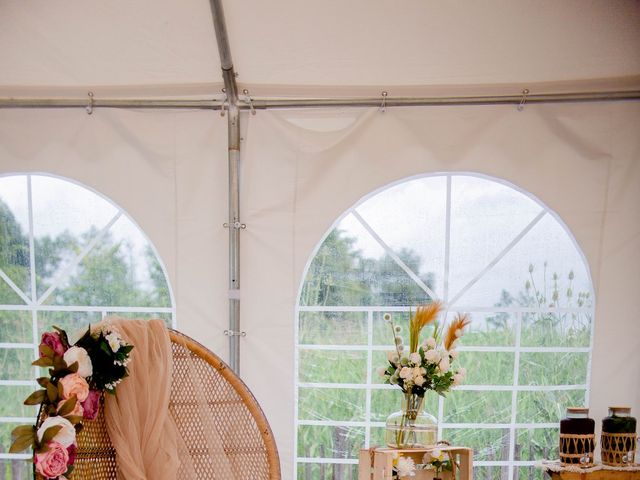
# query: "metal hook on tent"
[89,107]
[224,102]
[383,105]
[249,100]
[232,333]
[523,100]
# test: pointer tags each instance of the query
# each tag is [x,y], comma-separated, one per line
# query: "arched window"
[68,257]
[481,246]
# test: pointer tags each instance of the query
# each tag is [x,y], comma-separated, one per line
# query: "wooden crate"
[377,463]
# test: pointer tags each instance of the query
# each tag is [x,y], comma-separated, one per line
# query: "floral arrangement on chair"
[78,376]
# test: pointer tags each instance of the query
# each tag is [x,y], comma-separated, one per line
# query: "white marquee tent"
[302,168]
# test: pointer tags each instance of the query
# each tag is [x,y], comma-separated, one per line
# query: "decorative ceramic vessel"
[619,439]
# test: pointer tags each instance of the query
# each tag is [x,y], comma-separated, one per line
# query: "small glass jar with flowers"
[418,368]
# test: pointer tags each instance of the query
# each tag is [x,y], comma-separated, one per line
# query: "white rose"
[458,379]
[405,372]
[416,372]
[67,434]
[432,356]
[415,358]
[80,355]
[436,454]
[444,364]
[381,371]
[453,354]
[419,380]
[114,341]
[431,342]
[406,467]
[392,357]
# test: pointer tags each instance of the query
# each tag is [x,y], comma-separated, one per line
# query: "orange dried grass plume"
[425,315]
[459,323]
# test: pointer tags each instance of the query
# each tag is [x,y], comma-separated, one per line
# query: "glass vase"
[411,427]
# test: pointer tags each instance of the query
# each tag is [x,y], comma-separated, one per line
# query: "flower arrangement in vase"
[79,374]
[418,368]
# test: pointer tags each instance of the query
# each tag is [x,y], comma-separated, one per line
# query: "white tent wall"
[165,169]
[302,169]
[580,160]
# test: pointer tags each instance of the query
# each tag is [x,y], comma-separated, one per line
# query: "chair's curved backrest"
[245,433]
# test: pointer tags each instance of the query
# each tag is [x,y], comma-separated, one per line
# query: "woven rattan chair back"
[246,436]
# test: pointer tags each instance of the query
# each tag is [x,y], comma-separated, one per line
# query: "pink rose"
[53,462]
[91,405]
[72,450]
[52,340]
[74,384]
[77,410]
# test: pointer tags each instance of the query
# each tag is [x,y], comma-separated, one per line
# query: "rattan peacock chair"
[246,436]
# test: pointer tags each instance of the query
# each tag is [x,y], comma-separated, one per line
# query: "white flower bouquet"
[420,367]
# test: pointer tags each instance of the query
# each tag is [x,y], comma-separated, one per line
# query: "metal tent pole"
[234,225]
[273,103]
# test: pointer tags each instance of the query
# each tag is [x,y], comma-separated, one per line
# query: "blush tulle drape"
[148,443]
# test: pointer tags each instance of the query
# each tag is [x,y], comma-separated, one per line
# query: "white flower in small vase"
[432,356]
[415,358]
[444,363]
[430,343]
[406,467]
[392,357]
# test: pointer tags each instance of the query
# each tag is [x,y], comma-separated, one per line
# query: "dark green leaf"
[36,398]
[59,363]
[22,442]
[50,433]
[23,430]
[73,367]
[74,419]
[46,351]
[43,381]
[68,406]
[104,346]
[52,392]
[126,349]
[43,362]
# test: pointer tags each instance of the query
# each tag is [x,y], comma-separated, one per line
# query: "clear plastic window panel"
[480,246]
[68,258]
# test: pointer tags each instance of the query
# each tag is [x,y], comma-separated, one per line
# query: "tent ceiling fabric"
[288,43]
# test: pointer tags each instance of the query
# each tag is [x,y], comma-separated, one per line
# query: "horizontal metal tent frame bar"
[265,103]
